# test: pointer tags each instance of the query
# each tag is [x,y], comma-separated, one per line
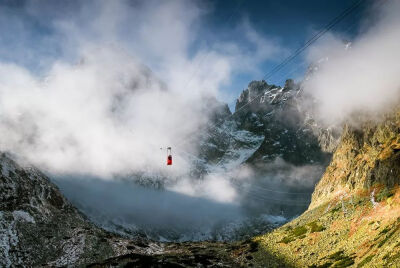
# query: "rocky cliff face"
[288,128]
[270,122]
[354,217]
[38,226]
[368,155]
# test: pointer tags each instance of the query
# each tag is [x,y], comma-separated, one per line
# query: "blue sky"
[291,22]
[30,39]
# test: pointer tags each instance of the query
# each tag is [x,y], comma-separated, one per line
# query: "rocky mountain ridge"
[277,113]
[354,217]
[367,155]
[38,226]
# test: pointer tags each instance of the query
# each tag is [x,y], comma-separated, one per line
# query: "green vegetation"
[325,265]
[389,230]
[384,194]
[359,200]
[366,234]
[340,260]
[336,256]
[385,230]
[384,240]
[395,258]
[365,261]
[287,239]
[336,209]
[315,227]
[299,231]
[321,239]
[345,262]
[296,233]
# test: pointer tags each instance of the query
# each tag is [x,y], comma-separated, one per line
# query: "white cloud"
[364,78]
[109,114]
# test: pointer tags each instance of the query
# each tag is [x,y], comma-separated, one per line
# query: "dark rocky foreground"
[197,254]
[202,254]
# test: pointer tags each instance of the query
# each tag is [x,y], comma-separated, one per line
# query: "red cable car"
[169,156]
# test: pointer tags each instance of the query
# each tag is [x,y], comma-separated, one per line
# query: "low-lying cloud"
[364,78]
[229,205]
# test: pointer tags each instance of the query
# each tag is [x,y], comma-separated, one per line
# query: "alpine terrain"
[200,133]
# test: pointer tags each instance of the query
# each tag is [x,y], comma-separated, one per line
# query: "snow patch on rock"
[73,248]
[8,240]
[20,215]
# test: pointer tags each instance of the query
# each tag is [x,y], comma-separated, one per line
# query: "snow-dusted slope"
[278,114]
[38,226]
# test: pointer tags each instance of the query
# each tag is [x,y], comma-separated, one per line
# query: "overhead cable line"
[329,26]
[317,36]
[300,50]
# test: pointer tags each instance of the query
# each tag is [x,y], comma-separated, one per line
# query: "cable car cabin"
[169,156]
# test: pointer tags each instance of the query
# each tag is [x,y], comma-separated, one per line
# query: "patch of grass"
[384,241]
[336,209]
[340,259]
[299,231]
[315,227]
[288,228]
[365,261]
[337,255]
[287,240]
[346,262]
[384,231]
[384,194]
[358,200]
[325,265]
[388,234]
[294,233]
[395,257]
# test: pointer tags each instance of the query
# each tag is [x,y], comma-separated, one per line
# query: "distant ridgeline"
[276,115]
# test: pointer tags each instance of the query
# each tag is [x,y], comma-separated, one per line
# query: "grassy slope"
[354,217]
[341,233]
